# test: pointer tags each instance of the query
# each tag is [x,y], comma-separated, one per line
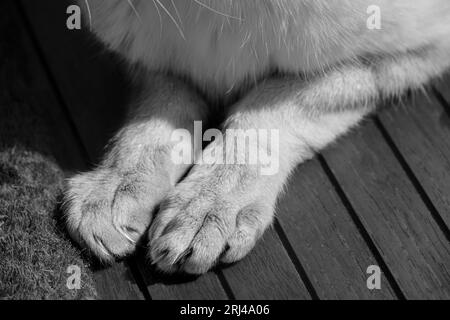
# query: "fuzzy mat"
[35,253]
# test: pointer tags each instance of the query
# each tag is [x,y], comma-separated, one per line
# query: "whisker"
[134,9]
[160,17]
[176,11]
[89,14]
[215,11]
[172,18]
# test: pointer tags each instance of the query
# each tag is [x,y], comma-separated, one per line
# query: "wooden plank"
[104,103]
[266,273]
[93,78]
[421,132]
[325,238]
[65,149]
[94,90]
[181,287]
[117,283]
[385,200]
[443,87]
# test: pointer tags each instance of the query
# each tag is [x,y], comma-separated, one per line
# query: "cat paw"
[108,212]
[206,219]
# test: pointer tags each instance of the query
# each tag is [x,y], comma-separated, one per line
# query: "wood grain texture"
[111,283]
[266,273]
[393,213]
[325,239]
[442,85]
[420,130]
[182,287]
[318,227]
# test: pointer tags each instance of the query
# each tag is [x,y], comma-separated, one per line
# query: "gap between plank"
[445,104]
[139,279]
[412,177]
[295,260]
[362,230]
[225,285]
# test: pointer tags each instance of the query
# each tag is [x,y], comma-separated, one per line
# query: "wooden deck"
[380,196]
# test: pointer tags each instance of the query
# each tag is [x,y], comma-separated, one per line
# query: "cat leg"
[220,210]
[110,208]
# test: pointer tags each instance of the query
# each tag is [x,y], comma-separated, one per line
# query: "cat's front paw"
[213,215]
[108,211]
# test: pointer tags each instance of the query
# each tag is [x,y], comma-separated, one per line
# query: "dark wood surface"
[379,196]
[392,212]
